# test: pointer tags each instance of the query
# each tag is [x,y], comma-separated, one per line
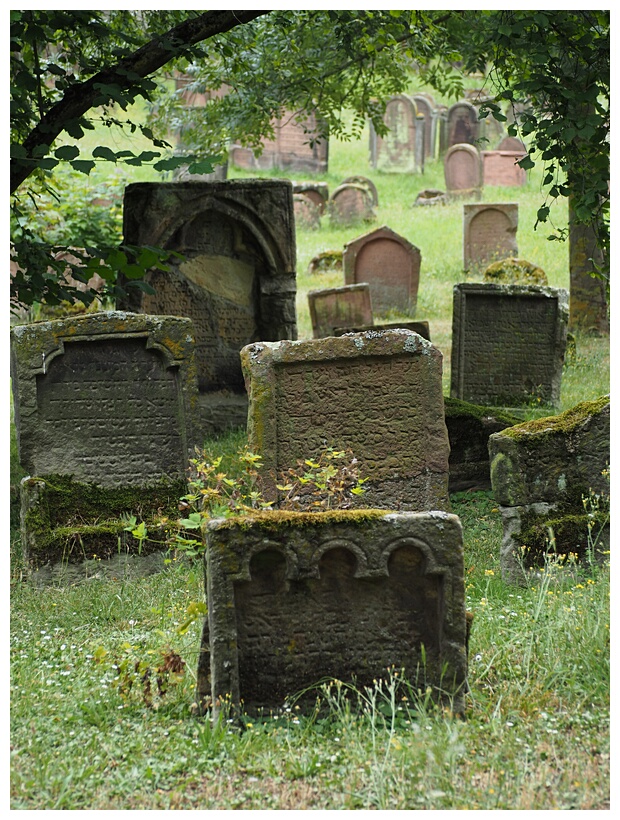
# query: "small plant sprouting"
[328,482]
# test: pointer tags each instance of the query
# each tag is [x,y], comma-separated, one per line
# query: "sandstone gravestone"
[542,472]
[513,271]
[294,598]
[105,408]
[425,108]
[489,234]
[512,144]
[500,168]
[463,124]
[351,203]
[462,168]
[307,214]
[377,393]
[420,328]
[367,183]
[396,151]
[347,306]
[391,266]
[296,146]
[508,344]
[318,192]
[236,279]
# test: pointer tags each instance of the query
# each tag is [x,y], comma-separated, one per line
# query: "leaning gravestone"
[235,280]
[105,408]
[367,183]
[500,168]
[294,598]
[391,266]
[508,344]
[378,394]
[318,192]
[551,479]
[339,307]
[351,203]
[463,124]
[462,168]
[489,234]
[396,151]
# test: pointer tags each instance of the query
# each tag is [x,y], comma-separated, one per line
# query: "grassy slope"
[536,734]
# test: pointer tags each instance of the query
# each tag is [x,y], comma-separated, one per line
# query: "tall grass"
[90,728]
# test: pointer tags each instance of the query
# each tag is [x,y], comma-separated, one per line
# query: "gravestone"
[431,196]
[367,183]
[391,266]
[347,306]
[351,203]
[508,344]
[500,168]
[105,410]
[294,598]
[489,234]
[318,192]
[463,125]
[377,393]
[426,109]
[295,146]
[420,328]
[589,296]
[325,262]
[307,214]
[235,280]
[543,474]
[462,168]
[513,271]
[512,144]
[396,151]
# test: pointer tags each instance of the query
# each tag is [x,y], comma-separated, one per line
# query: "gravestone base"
[66,522]
[296,598]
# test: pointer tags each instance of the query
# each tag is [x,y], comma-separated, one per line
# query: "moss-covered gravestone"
[550,477]
[105,408]
[294,598]
[376,393]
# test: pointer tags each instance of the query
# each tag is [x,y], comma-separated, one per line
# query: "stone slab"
[339,307]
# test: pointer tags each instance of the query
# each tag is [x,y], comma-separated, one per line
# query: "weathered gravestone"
[420,328]
[500,168]
[296,146]
[294,598]
[551,479]
[489,234]
[426,108]
[377,394]
[325,262]
[462,168]
[105,408]
[391,266]
[236,279]
[318,192]
[367,183]
[513,271]
[351,203]
[469,427]
[307,214]
[508,344]
[396,151]
[512,144]
[463,125]
[347,306]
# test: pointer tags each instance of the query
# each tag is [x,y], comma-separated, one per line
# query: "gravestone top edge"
[487,288]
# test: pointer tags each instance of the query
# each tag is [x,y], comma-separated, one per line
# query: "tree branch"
[149,58]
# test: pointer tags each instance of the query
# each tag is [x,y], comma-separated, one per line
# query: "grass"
[91,730]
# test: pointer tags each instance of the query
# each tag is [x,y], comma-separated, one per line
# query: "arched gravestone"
[396,151]
[351,203]
[367,183]
[425,107]
[236,279]
[489,234]
[512,144]
[307,214]
[391,266]
[463,124]
[463,171]
[318,192]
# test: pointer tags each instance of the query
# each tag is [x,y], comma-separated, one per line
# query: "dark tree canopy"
[71,70]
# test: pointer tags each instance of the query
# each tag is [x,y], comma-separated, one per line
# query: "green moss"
[274,520]
[570,535]
[455,408]
[563,423]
